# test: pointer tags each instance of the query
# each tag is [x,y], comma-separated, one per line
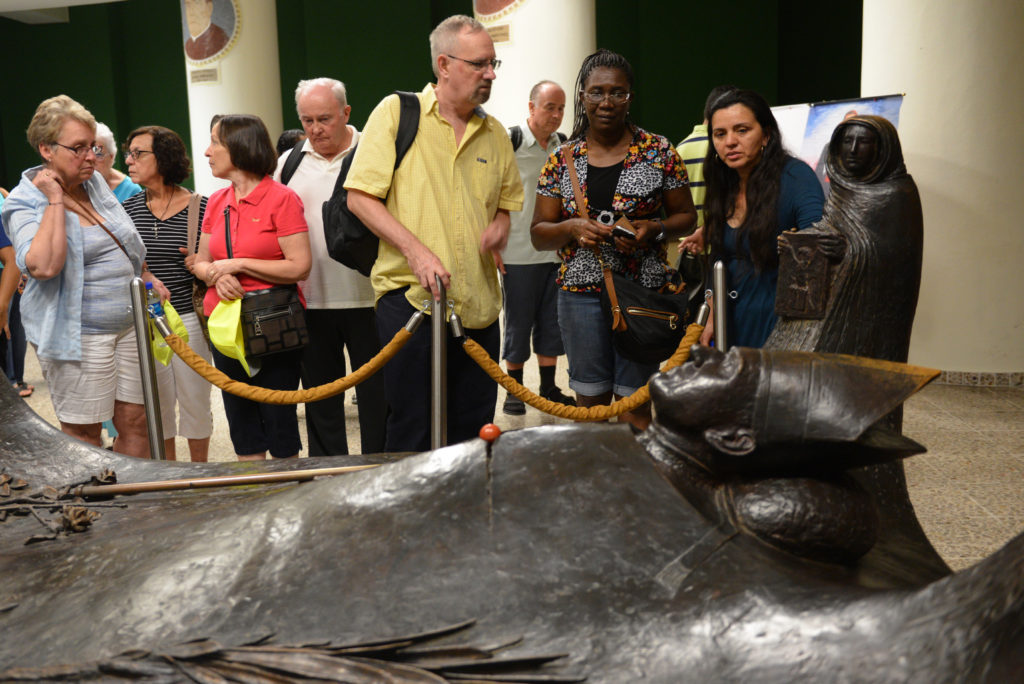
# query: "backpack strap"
[408,123]
[515,134]
[292,163]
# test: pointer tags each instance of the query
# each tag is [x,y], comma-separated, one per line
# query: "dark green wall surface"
[123,60]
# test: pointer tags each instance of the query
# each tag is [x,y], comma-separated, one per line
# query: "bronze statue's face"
[712,389]
[858,149]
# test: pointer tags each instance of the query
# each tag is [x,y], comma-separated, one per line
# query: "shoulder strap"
[618,321]
[408,123]
[94,216]
[570,167]
[227,232]
[292,163]
[515,134]
[193,222]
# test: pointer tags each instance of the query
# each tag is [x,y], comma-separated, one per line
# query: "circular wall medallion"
[489,10]
[209,29]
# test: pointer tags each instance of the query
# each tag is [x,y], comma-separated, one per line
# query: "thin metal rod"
[439,370]
[721,297]
[216,481]
[147,366]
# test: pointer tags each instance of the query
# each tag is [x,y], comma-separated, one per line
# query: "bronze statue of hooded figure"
[875,206]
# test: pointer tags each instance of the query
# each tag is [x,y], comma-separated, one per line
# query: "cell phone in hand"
[623,232]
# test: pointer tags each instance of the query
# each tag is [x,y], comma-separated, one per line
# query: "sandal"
[24,389]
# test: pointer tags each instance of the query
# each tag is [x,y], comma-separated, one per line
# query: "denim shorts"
[594,365]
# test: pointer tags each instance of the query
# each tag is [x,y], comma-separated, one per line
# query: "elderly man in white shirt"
[339,300]
[531,309]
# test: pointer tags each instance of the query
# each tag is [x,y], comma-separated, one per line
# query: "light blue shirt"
[126,189]
[51,310]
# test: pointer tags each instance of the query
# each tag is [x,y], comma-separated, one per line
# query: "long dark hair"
[761,222]
[601,58]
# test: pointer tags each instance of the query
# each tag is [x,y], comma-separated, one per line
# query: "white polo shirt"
[330,285]
[530,157]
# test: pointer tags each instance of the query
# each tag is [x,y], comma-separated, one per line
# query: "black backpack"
[515,134]
[349,241]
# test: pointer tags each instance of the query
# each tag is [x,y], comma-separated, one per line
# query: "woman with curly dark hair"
[755,190]
[157,161]
[625,170]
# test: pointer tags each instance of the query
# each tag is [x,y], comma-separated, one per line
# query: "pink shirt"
[269,212]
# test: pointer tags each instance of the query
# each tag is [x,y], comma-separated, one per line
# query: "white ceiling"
[42,11]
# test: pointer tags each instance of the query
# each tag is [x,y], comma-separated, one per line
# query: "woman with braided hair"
[625,170]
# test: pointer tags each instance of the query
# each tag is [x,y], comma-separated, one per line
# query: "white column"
[242,78]
[961,65]
[536,40]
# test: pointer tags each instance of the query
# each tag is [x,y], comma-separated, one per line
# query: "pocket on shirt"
[486,181]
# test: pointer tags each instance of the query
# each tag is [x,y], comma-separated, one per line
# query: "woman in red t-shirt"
[270,247]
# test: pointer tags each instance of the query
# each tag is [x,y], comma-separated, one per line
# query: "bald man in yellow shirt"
[445,214]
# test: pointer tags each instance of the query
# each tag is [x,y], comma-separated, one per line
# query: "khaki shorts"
[83,392]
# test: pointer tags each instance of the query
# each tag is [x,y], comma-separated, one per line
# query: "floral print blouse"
[651,167]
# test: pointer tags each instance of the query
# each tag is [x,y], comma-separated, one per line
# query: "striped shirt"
[162,240]
[693,150]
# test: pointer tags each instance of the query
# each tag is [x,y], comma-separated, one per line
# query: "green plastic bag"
[161,351]
[225,328]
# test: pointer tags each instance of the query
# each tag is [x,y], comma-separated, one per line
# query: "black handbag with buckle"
[647,325]
[273,319]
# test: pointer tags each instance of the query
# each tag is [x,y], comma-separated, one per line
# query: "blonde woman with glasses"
[80,251]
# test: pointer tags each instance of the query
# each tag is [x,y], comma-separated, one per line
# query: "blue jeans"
[594,365]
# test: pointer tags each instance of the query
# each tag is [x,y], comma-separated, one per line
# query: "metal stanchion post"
[147,365]
[721,296]
[438,370]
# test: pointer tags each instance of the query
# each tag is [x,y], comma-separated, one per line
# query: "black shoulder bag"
[348,239]
[273,319]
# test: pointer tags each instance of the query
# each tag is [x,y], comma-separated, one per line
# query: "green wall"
[123,60]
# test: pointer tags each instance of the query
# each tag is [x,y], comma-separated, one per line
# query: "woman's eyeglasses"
[597,97]
[135,154]
[82,150]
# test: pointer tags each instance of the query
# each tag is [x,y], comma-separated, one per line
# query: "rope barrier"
[269,396]
[579,413]
[475,351]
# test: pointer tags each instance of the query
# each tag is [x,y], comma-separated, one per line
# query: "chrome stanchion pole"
[438,370]
[147,365]
[721,295]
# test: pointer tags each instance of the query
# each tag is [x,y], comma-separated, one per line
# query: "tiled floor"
[968,489]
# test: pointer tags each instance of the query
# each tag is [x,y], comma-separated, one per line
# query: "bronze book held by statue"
[802,291]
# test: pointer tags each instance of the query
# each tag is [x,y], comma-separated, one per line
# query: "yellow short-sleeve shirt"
[444,194]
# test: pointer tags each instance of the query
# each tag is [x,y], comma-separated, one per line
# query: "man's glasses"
[135,154]
[481,65]
[82,150]
[597,97]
